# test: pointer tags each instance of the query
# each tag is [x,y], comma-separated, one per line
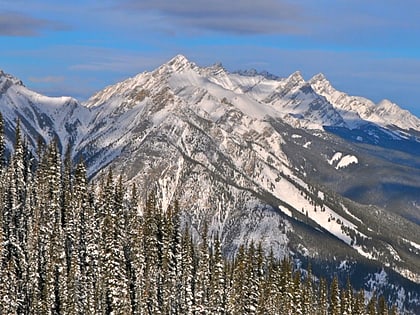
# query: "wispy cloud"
[47,79]
[18,24]
[237,17]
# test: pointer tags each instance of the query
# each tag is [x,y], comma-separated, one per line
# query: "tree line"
[71,247]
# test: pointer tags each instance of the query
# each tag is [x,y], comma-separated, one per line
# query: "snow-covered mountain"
[257,157]
[42,118]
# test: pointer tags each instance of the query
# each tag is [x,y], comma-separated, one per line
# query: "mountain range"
[303,168]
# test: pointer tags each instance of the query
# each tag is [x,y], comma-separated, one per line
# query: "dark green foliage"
[70,248]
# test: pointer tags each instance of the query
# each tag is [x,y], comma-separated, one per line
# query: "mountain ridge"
[251,156]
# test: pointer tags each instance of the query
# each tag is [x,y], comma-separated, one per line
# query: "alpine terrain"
[331,179]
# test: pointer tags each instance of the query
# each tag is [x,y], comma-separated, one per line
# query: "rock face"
[255,156]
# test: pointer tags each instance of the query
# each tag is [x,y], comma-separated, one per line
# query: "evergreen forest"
[73,247]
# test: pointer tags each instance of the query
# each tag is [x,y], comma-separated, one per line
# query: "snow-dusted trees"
[2,144]
[67,247]
[335,297]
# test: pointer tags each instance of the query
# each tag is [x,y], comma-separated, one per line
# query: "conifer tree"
[382,306]
[254,272]
[238,291]
[297,294]
[203,275]
[323,298]
[393,310]
[15,217]
[269,300]
[308,294]
[152,261]
[217,284]
[359,304]
[286,287]
[371,307]
[9,303]
[335,297]
[175,258]
[2,145]
[115,279]
[186,286]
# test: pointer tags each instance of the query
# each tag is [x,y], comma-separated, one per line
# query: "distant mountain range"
[301,167]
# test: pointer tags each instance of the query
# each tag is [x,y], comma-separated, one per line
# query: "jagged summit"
[296,78]
[179,59]
[178,63]
[321,84]
[320,77]
[7,80]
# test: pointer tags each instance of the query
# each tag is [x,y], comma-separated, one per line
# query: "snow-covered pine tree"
[347,299]
[152,260]
[115,281]
[297,294]
[136,253]
[322,308]
[203,275]
[88,243]
[335,297]
[393,310]
[269,299]
[56,258]
[217,281]
[8,287]
[15,220]
[186,275]
[371,307]
[9,303]
[382,306]
[2,145]
[359,307]
[132,246]
[308,294]
[253,284]
[260,273]
[239,289]
[286,287]
[69,212]
[175,253]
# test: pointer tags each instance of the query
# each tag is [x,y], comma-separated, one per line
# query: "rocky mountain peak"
[296,78]
[178,63]
[320,84]
[7,80]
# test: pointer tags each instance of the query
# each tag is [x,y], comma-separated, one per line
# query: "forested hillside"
[70,247]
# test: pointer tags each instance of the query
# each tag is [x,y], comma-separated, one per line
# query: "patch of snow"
[415,245]
[363,252]
[351,214]
[307,144]
[286,211]
[336,157]
[346,161]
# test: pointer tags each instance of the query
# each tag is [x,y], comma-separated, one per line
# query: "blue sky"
[368,48]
